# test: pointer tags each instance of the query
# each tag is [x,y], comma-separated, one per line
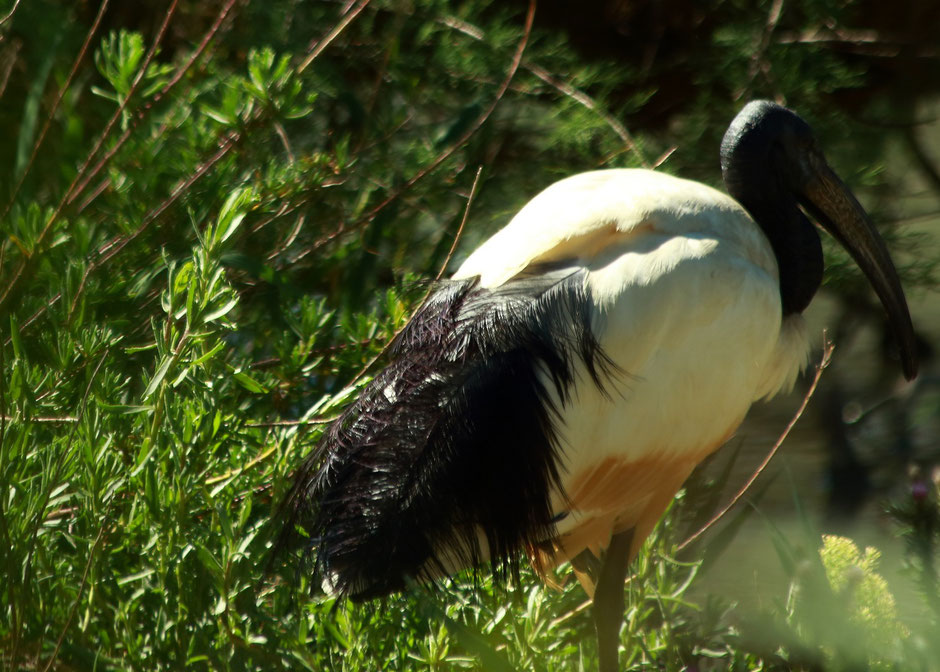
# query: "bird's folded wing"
[450,456]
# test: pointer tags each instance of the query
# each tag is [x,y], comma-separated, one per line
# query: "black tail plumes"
[449,456]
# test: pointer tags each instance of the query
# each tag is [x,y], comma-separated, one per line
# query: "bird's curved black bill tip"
[834,206]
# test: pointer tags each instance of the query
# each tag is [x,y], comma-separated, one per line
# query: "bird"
[547,402]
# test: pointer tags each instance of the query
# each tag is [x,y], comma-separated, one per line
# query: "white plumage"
[687,307]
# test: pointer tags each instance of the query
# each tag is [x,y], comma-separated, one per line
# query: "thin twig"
[95,193]
[291,236]
[10,53]
[663,157]
[282,134]
[316,49]
[212,480]
[55,105]
[574,612]
[56,472]
[583,99]
[293,423]
[78,598]
[115,245]
[112,247]
[463,221]
[824,362]
[758,62]
[72,192]
[513,68]
[453,147]
[560,85]
[79,175]
[142,112]
[55,420]
[10,13]
[868,42]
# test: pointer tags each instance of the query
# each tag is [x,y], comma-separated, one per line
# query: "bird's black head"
[764,134]
[773,165]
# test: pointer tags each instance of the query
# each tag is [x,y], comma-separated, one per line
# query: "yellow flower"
[853,576]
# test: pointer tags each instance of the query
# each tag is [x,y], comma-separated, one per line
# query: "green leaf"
[124,409]
[490,659]
[209,562]
[158,376]
[137,576]
[248,382]
[118,59]
[222,310]
[212,352]
[27,134]
[260,62]
[233,211]
[15,337]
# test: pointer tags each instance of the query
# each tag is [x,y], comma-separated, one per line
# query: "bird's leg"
[608,599]
[587,567]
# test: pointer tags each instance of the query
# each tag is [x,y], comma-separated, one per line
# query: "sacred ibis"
[549,400]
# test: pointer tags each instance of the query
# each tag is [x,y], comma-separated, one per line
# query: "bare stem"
[823,363]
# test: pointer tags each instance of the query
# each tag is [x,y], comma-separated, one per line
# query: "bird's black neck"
[755,175]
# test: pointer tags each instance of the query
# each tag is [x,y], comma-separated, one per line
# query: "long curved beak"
[836,209]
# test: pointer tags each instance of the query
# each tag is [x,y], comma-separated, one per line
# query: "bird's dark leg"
[587,568]
[608,600]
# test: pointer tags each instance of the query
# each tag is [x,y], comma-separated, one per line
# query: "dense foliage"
[213,215]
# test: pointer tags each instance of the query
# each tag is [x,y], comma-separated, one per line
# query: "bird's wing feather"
[450,455]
